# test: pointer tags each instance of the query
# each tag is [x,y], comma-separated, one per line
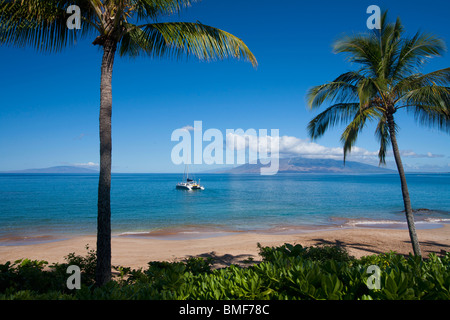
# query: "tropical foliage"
[388,80]
[286,272]
[132,24]
[131,27]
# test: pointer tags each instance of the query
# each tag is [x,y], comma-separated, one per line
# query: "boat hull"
[189,186]
[183,187]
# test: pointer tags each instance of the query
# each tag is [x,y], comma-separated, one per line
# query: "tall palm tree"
[388,80]
[130,27]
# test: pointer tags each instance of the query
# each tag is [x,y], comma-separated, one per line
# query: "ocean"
[49,206]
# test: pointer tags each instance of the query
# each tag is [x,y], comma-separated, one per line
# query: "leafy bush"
[87,265]
[27,276]
[317,253]
[287,272]
[411,277]
[159,270]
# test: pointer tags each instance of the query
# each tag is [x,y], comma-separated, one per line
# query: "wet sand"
[227,248]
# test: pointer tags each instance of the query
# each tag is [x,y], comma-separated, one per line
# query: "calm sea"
[34,205]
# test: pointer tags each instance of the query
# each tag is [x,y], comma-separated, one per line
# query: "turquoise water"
[47,204]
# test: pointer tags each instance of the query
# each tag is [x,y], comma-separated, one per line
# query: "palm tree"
[130,27]
[388,80]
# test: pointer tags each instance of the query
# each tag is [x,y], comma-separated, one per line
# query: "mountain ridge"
[307,165]
[56,169]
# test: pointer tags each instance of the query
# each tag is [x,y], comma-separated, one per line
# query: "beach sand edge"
[239,248]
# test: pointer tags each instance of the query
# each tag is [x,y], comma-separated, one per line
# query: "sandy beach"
[236,248]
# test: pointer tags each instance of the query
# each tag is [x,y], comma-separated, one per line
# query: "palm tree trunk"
[405,192]
[103,270]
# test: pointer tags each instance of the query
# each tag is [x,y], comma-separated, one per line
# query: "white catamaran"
[189,184]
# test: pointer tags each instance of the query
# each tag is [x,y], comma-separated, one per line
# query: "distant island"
[286,165]
[58,169]
[306,165]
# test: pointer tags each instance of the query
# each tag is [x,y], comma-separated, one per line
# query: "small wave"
[437,220]
[428,223]
[357,222]
[133,233]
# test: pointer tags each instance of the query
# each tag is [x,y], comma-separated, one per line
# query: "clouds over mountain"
[289,146]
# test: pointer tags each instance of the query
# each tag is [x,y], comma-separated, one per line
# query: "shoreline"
[189,232]
[229,248]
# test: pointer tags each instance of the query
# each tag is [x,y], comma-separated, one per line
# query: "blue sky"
[49,102]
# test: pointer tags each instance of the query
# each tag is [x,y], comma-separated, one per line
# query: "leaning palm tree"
[387,81]
[130,27]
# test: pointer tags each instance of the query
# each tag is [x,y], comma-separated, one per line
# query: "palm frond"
[389,43]
[432,117]
[173,39]
[368,89]
[42,24]
[427,97]
[433,95]
[361,49]
[343,89]
[418,80]
[382,135]
[415,52]
[351,132]
[153,9]
[334,115]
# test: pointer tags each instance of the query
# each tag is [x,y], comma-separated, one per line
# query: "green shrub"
[25,274]
[317,253]
[87,265]
[37,276]
[198,265]
[287,272]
